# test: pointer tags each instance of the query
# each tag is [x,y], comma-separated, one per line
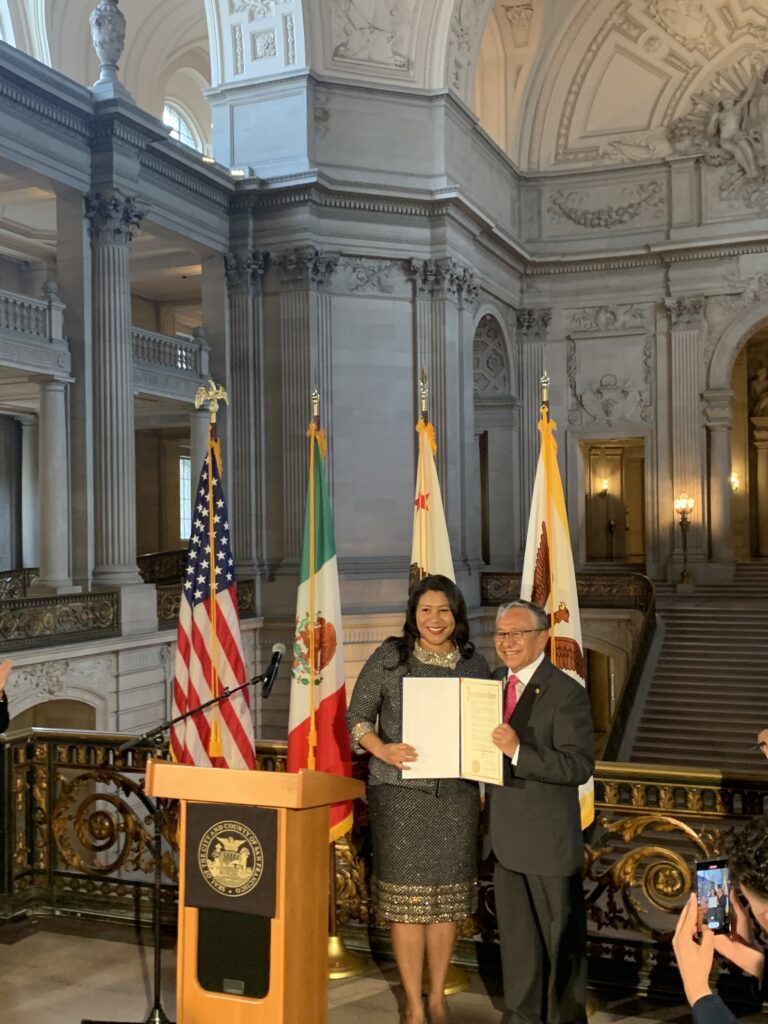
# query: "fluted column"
[244,272]
[113,218]
[30,531]
[719,417]
[53,489]
[441,288]
[687,321]
[305,313]
[532,326]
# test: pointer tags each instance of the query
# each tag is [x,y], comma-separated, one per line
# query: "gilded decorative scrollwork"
[352,863]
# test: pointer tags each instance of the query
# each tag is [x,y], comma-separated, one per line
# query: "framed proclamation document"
[449,721]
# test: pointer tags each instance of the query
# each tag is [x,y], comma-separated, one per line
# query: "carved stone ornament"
[532,324]
[369,275]
[686,310]
[608,318]
[689,24]
[636,199]
[306,266]
[466,25]
[239,269]
[444,278]
[255,9]
[373,32]
[489,359]
[728,126]
[520,17]
[108,35]
[610,399]
[113,216]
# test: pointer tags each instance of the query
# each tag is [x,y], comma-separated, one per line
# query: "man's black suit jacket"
[534,818]
[4,716]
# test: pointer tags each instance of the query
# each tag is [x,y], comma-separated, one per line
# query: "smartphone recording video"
[713,896]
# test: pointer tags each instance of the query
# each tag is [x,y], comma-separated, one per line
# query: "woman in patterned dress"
[424,831]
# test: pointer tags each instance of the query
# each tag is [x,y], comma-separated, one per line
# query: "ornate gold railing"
[77,840]
[169,601]
[162,566]
[14,583]
[44,621]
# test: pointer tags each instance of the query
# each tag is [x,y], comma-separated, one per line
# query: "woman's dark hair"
[458,606]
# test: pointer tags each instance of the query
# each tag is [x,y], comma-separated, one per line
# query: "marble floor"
[62,972]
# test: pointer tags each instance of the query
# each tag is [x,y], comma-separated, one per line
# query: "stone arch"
[491,356]
[731,342]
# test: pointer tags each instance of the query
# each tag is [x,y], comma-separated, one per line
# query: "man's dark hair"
[747,852]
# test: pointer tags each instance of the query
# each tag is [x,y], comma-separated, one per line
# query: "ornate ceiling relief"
[377,32]
[467,23]
[520,17]
[728,126]
[619,74]
[261,35]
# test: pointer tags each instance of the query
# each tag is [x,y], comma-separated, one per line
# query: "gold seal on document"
[475,766]
[230,858]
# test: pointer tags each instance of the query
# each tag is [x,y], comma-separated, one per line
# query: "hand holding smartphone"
[713,896]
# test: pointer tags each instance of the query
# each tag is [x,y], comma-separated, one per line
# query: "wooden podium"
[239,967]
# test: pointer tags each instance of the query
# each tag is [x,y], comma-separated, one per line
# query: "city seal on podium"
[230,858]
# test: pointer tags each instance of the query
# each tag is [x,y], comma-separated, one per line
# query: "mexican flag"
[431,548]
[317,730]
[549,578]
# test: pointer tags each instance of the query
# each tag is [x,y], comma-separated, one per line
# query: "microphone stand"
[157,1015]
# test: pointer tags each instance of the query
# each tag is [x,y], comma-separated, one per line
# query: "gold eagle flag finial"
[211,396]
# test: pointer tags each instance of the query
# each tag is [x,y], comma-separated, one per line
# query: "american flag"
[209,654]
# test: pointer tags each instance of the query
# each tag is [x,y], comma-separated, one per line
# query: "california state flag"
[431,549]
[549,579]
[317,731]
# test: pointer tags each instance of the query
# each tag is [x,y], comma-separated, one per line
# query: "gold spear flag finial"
[211,396]
[545,382]
[424,392]
[316,405]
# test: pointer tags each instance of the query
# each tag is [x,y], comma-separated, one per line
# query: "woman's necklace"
[445,659]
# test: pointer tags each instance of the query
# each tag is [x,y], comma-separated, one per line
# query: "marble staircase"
[709,694]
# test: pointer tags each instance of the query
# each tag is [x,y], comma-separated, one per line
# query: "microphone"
[270,675]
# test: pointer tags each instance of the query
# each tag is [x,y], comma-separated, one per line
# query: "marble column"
[440,288]
[686,315]
[30,530]
[113,218]
[244,272]
[718,413]
[531,333]
[53,488]
[760,441]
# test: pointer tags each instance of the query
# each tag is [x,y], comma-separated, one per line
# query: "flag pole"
[423,430]
[314,431]
[545,427]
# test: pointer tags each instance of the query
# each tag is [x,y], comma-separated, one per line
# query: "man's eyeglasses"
[514,634]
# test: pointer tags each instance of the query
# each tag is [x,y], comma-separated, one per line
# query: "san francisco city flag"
[431,549]
[549,578]
[317,731]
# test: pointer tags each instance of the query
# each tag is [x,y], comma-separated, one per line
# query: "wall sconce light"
[734,481]
[604,487]
[684,507]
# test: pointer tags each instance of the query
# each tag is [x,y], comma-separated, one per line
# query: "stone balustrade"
[188,356]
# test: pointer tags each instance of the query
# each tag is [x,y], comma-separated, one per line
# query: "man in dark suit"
[5,671]
[748,863]
[535,825]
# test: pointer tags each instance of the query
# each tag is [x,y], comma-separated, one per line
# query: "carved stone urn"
[108,34]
